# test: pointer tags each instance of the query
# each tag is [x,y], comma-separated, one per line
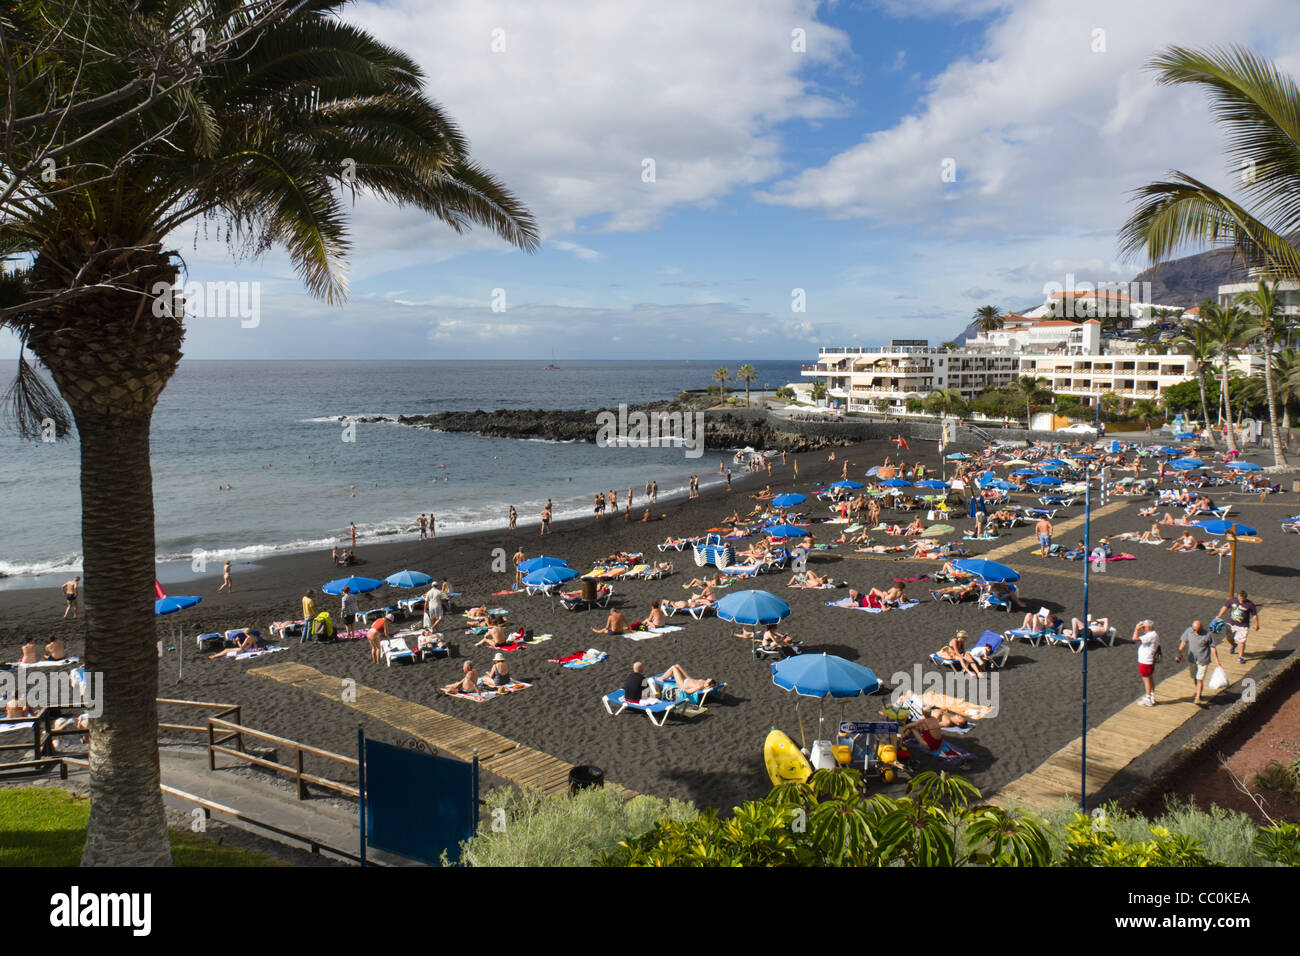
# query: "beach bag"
[1218,679]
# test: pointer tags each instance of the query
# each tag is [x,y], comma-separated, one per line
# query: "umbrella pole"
[1232,565]
[180,649]
[803,744]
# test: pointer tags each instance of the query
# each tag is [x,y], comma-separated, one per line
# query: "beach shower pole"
[1232,565]
[1087,632]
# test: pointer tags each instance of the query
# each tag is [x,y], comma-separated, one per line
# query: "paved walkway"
[497,755]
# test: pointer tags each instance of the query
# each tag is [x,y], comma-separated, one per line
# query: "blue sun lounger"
[1076,643]
[650,708]
[697,698]
[1035,636]
[999,649]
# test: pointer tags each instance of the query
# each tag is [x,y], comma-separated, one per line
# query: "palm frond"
[35,407]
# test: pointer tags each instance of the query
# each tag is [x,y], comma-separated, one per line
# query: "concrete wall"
[862,429]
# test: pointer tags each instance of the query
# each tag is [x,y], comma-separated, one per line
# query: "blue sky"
[776,170]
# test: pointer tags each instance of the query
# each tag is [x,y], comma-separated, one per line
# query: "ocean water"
[267,429]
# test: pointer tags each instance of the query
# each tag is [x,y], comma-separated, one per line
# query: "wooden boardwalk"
[498,755]
[1117,741]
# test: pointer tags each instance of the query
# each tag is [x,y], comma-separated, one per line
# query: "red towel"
[575,656]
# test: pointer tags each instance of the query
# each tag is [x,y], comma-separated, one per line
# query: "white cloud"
[582,252]
[1047,135]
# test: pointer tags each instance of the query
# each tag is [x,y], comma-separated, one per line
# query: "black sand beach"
[716,759]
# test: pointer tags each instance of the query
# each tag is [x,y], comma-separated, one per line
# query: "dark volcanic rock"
[721,429]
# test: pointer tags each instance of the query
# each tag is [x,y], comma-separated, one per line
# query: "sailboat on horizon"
[552,367]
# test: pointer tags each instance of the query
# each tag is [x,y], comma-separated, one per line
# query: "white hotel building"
[1068,354]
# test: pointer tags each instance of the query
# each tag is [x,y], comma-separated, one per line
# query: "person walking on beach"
[1148,642]
[629,497]
[514,517]
[433,608]
[69,590]
[433,530]
[1199,645]
[225,579]
[1238,613]
[612,498]
[654,492]
[728,479]
[423,524]
[519,559]
[546,520]
[1044,531]
[647,489]
[352,530]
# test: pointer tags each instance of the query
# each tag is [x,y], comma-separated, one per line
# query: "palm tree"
[1259,107]
[989,317]
[1286,378]
[817,391]
[1227,328]
[259,142]
[1268,323]
[722,377]
[1031,389]
[1198,345]
[746,374]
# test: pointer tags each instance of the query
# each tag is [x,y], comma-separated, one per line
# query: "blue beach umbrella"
[846,483]
[1046,481]
[987,570]
[542,561]
[753,607]
[958,456]
[785,531]
[408,579]
[1244,466]
[358,585]
[1169,451]
[1087,457]
[788,500]
[997,484]
[823,675]
[1187,464]
[550,575]
[174,603]
[1055,462]
[895,483]
[1025,472]
[1219,526]
[932,483]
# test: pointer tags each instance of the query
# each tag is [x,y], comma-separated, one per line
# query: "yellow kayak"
[785,764]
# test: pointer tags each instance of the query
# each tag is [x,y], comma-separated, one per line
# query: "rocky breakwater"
[722,429]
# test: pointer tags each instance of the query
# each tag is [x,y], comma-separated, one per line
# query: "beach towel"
[586,660]
[486,695]
[504,593]
[905,606]
[66,660]
[955,704]
[258,652]
[539,639]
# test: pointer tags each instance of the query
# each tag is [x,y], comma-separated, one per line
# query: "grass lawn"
[46,826]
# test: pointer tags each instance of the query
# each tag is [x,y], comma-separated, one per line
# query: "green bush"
[1284,778]
[538,830]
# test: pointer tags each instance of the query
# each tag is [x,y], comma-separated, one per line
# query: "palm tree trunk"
[1227,409]
[127,825]
[1275,434]
[1205,409]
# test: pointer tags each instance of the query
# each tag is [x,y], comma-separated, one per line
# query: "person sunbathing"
[247,642]
[17,707]
[1005,592]
[468,684]
[430,640]
[928,731]
[915,528]
[891,597]
[1006,517]
[1039,623]
[1153,536]
[1218,547]
[697,600]
[960,591]
[955,650]
[1187,543]
[56,650]
[1099,627]
[687,684]
[713,580]
[809,579]
[1148,512]
[499,674]
[656,617]
[616,623]
[29,653]
[495,637]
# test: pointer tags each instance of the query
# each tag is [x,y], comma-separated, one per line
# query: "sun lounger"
[650,708]
[1033,636]
[999,649]
[668,691]
[1076,643]
[395,649]
[259,652]
[988,599]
